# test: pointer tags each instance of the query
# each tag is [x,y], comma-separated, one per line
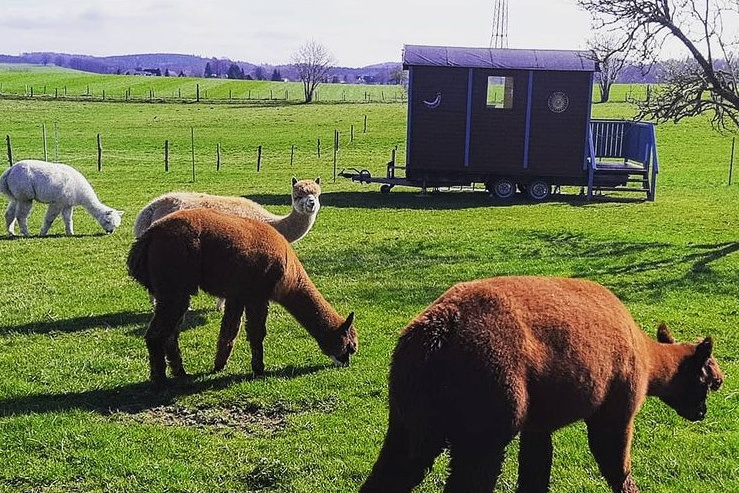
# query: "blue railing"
[631,144]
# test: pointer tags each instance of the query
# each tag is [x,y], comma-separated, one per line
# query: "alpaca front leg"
[68,222]
[51,213]
[230,325]
[610,443]
[534,462]
[256,329]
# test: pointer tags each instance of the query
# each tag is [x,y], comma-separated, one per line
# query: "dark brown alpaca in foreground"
[493,358]
[246,262]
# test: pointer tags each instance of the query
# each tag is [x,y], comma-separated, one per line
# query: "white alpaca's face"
[111,220]
[305,196]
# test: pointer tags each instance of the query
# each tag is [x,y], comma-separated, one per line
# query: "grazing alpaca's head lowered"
[244,261]
[56,184]
[493,358]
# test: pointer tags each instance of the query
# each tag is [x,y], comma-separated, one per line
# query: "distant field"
[76,411]
[59,83]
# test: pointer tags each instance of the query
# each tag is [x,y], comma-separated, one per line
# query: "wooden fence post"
[364,131]
[336,150]
[218,151]
[43,137]
[100,154]
[166,155]
[292,153]
[10,150]
[192,151]
[351,133]
[731,161]
[259,158]
[319,148]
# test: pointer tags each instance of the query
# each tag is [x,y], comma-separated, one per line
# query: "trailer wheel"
[503,188]
[386,188]
[539,189]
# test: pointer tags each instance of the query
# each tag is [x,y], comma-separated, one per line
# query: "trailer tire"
[503,189]
[539,190]
[386,188]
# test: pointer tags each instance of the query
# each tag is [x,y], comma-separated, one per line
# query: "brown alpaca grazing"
[497,357]
[244,261]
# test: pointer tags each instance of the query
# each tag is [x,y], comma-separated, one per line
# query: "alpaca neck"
[295,225]
[304,302]
[664,363]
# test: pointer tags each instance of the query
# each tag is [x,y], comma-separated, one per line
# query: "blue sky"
[357,33]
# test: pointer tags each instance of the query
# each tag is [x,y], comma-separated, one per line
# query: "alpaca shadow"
[136,397]
[109,320]
[52,236]
[193,318]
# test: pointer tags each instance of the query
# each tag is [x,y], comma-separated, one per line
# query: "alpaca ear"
[704,349]
[318,180]
[349,321]
[295,180]
[120,213]
[664,335]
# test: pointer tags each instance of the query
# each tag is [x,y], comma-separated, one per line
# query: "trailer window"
[500,92]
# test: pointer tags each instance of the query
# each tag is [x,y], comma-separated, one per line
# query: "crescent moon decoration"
[558,102]
[435,103]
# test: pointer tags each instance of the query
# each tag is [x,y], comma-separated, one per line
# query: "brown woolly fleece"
[244,261]
[497,357]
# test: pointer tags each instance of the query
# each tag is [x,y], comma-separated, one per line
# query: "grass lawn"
[76,411]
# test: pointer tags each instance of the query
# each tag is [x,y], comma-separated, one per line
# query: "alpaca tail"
[138,261]
[143,221]
[4,189]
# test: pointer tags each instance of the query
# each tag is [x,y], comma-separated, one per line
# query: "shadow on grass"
[51,236]
[434,200]
[108,320]
[136,397]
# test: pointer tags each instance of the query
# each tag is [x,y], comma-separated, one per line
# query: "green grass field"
[76,411]
[25,81]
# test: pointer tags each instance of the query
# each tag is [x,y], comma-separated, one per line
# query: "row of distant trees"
[236,72]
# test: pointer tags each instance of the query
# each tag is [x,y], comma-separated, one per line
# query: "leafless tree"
[611,57]
[702,83]
[312,62]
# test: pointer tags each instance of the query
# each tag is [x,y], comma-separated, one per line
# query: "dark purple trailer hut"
[512,118]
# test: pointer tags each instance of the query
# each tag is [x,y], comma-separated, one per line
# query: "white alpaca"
[56,184]
[293,226]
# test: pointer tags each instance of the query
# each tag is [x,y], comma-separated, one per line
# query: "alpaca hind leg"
[256,329]
[163,326]
[51,213]
[534,462]
[10,217]
[402,463]
[610,443]
[475,464]
[230,325]
[68,222]
[22,211]
[174,355]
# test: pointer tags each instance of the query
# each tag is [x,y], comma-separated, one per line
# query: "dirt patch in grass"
[214,419]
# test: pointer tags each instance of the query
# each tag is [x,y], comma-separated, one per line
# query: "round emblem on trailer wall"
[558,102]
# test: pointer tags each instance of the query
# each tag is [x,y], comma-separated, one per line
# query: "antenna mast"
[499,35]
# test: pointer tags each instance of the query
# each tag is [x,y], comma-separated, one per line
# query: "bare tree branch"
[703,83]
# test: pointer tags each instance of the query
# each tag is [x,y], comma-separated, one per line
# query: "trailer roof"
[497,58]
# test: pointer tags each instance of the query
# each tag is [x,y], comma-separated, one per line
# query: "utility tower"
[499,35]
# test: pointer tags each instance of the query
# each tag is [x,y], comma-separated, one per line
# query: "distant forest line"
[169,64]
